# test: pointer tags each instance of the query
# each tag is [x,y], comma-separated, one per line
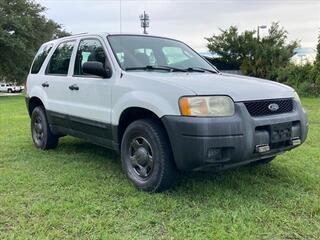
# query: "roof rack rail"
[78,34]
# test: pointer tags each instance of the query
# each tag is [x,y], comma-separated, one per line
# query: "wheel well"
[33,103]
[130,115]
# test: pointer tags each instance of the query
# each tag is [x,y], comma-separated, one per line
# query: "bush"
[305,79]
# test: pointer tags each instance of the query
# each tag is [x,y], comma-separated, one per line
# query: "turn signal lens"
[184,106]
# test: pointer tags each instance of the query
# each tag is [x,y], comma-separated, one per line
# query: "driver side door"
[89,106]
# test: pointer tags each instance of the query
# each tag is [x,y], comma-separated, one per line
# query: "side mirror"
[96,68]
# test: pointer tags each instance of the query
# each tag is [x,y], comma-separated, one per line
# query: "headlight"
[296,97]
[214,106]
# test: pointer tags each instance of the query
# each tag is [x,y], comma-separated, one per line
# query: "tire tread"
[52,140]
[168,170]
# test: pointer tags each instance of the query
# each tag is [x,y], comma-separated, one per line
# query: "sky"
[187,20]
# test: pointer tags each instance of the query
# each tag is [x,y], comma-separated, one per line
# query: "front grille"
[269,107]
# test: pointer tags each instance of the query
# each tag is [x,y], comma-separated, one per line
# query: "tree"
[317,61]
[232,47]
[23,30]
[255,58]
[316,72]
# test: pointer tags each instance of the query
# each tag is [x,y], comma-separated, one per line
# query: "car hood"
[240,88]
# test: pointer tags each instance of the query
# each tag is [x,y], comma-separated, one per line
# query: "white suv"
[158,103]
[9,88]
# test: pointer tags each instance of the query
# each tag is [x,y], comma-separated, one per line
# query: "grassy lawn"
[78,191]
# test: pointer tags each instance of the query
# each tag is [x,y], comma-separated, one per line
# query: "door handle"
[74,87]
[45,84]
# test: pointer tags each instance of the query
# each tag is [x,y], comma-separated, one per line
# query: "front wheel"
[42,136]
[146,156]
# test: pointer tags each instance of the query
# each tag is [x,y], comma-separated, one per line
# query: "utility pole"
[120,14]
[144,19]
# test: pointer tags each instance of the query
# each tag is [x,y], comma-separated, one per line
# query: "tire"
[41,134]
[9,90]
[263,161]
[147,157]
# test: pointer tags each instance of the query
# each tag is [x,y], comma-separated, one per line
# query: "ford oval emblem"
[273,107]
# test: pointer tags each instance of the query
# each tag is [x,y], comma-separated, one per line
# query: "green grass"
[78,191]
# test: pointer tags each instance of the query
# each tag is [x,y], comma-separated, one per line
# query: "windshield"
[155,53]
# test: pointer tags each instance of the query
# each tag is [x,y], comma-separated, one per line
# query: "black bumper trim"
[206,136]
[223,142]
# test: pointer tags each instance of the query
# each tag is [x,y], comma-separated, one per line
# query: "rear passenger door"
[90,96]
[56,80]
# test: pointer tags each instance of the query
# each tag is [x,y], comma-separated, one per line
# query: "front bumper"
[224,142]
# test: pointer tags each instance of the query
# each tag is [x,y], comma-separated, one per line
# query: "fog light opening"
[215,153]
[262,148]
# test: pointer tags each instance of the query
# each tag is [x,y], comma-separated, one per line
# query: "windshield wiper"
[191,69]
[174,69]
[209,70]
[199,69]
[171,69]
[149,67]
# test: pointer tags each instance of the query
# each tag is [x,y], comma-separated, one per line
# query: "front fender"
[150,101]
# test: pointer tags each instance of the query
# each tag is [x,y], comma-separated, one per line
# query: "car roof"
[102,34]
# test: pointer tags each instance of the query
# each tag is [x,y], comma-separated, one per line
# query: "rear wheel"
[9,90]
[42,136]
[146,156]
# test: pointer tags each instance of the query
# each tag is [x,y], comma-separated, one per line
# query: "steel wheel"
[42,136]
[146,156]
[141,157]
[37,130]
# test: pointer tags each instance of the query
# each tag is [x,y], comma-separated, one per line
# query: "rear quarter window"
[40,57]
[60,59]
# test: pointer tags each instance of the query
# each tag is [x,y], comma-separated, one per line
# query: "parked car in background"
[160,104]
[17,89]
[10,88]
[7,87]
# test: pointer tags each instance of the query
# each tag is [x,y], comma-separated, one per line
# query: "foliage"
[304,78]
[78,191]
[232,47]
[268,58]
[316,71]
[23,29]
[317,62]
[258,58]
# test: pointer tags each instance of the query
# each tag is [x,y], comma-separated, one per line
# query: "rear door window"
[60,60]
[40,57]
